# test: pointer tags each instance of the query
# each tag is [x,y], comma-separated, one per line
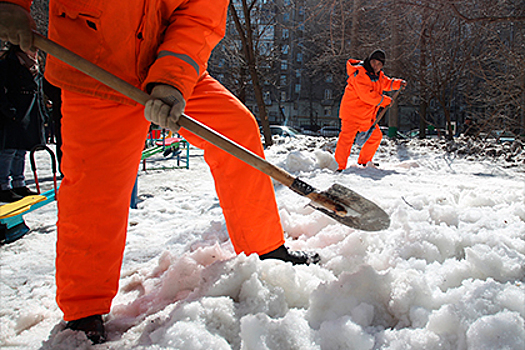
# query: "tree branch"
[490,19]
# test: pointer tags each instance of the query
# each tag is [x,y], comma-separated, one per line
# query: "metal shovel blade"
[362,137]
[362,214]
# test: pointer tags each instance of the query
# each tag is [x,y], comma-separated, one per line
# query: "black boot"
[9,196]
[92,326]
[364,165]
[295,257]
[24,191]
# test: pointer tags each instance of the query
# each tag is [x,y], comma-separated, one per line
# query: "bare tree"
[245,22]
[483,78]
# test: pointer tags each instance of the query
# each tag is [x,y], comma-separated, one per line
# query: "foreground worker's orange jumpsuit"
[142,42]
[361,101]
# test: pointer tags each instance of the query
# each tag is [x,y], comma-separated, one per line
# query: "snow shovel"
[363,136]
[338,202]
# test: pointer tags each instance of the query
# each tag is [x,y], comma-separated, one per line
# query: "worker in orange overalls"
[361,101]
[163,47]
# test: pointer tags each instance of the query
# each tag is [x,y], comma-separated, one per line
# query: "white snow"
[449,273]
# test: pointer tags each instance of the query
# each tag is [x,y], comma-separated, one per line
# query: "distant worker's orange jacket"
[364,93]
[177,60]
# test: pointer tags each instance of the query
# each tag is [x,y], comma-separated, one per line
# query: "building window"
[299,57]
[285,49]
[297,88]
[265,49]
[272,116]
[328,94]
[284,65]
[328,111]
[286,17]
[267,99]
[283,80]
[329,78]
[283,95]
[285,34]
[298,73]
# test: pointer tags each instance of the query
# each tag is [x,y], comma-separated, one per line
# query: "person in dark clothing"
[53,93]
[470,127]
[49,127]
[21,118]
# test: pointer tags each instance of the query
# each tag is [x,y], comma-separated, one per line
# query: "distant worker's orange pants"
[349,129]
[102,144]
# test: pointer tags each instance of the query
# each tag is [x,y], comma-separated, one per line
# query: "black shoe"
[9,196]
[339,171]
[295,257]
[364,165]
[24,191]
[92,326]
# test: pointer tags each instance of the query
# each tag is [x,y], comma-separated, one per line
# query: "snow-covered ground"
[449,273]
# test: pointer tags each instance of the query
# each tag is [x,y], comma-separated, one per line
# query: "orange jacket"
[140,41]
[364,92]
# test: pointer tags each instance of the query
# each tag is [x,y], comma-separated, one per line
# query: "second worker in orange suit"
[361,101]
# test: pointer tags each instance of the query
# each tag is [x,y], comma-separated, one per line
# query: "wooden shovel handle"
[383,112]
[141,97]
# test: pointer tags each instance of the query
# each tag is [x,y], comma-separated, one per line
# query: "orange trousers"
[349,129]
[102,144]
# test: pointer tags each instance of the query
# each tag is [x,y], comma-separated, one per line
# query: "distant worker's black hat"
[378,55]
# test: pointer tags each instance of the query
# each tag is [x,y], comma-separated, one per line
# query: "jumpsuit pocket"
[76,26]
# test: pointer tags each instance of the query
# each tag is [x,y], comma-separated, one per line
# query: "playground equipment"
[162,141]
[12,225]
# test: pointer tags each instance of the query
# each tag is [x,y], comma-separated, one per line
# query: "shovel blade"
[362,137]
[362,214]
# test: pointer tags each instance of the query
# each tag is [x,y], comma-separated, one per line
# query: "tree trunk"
[423,94]
[248,49]
[393,113]
[354,32]
[448,122]
[522,124]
